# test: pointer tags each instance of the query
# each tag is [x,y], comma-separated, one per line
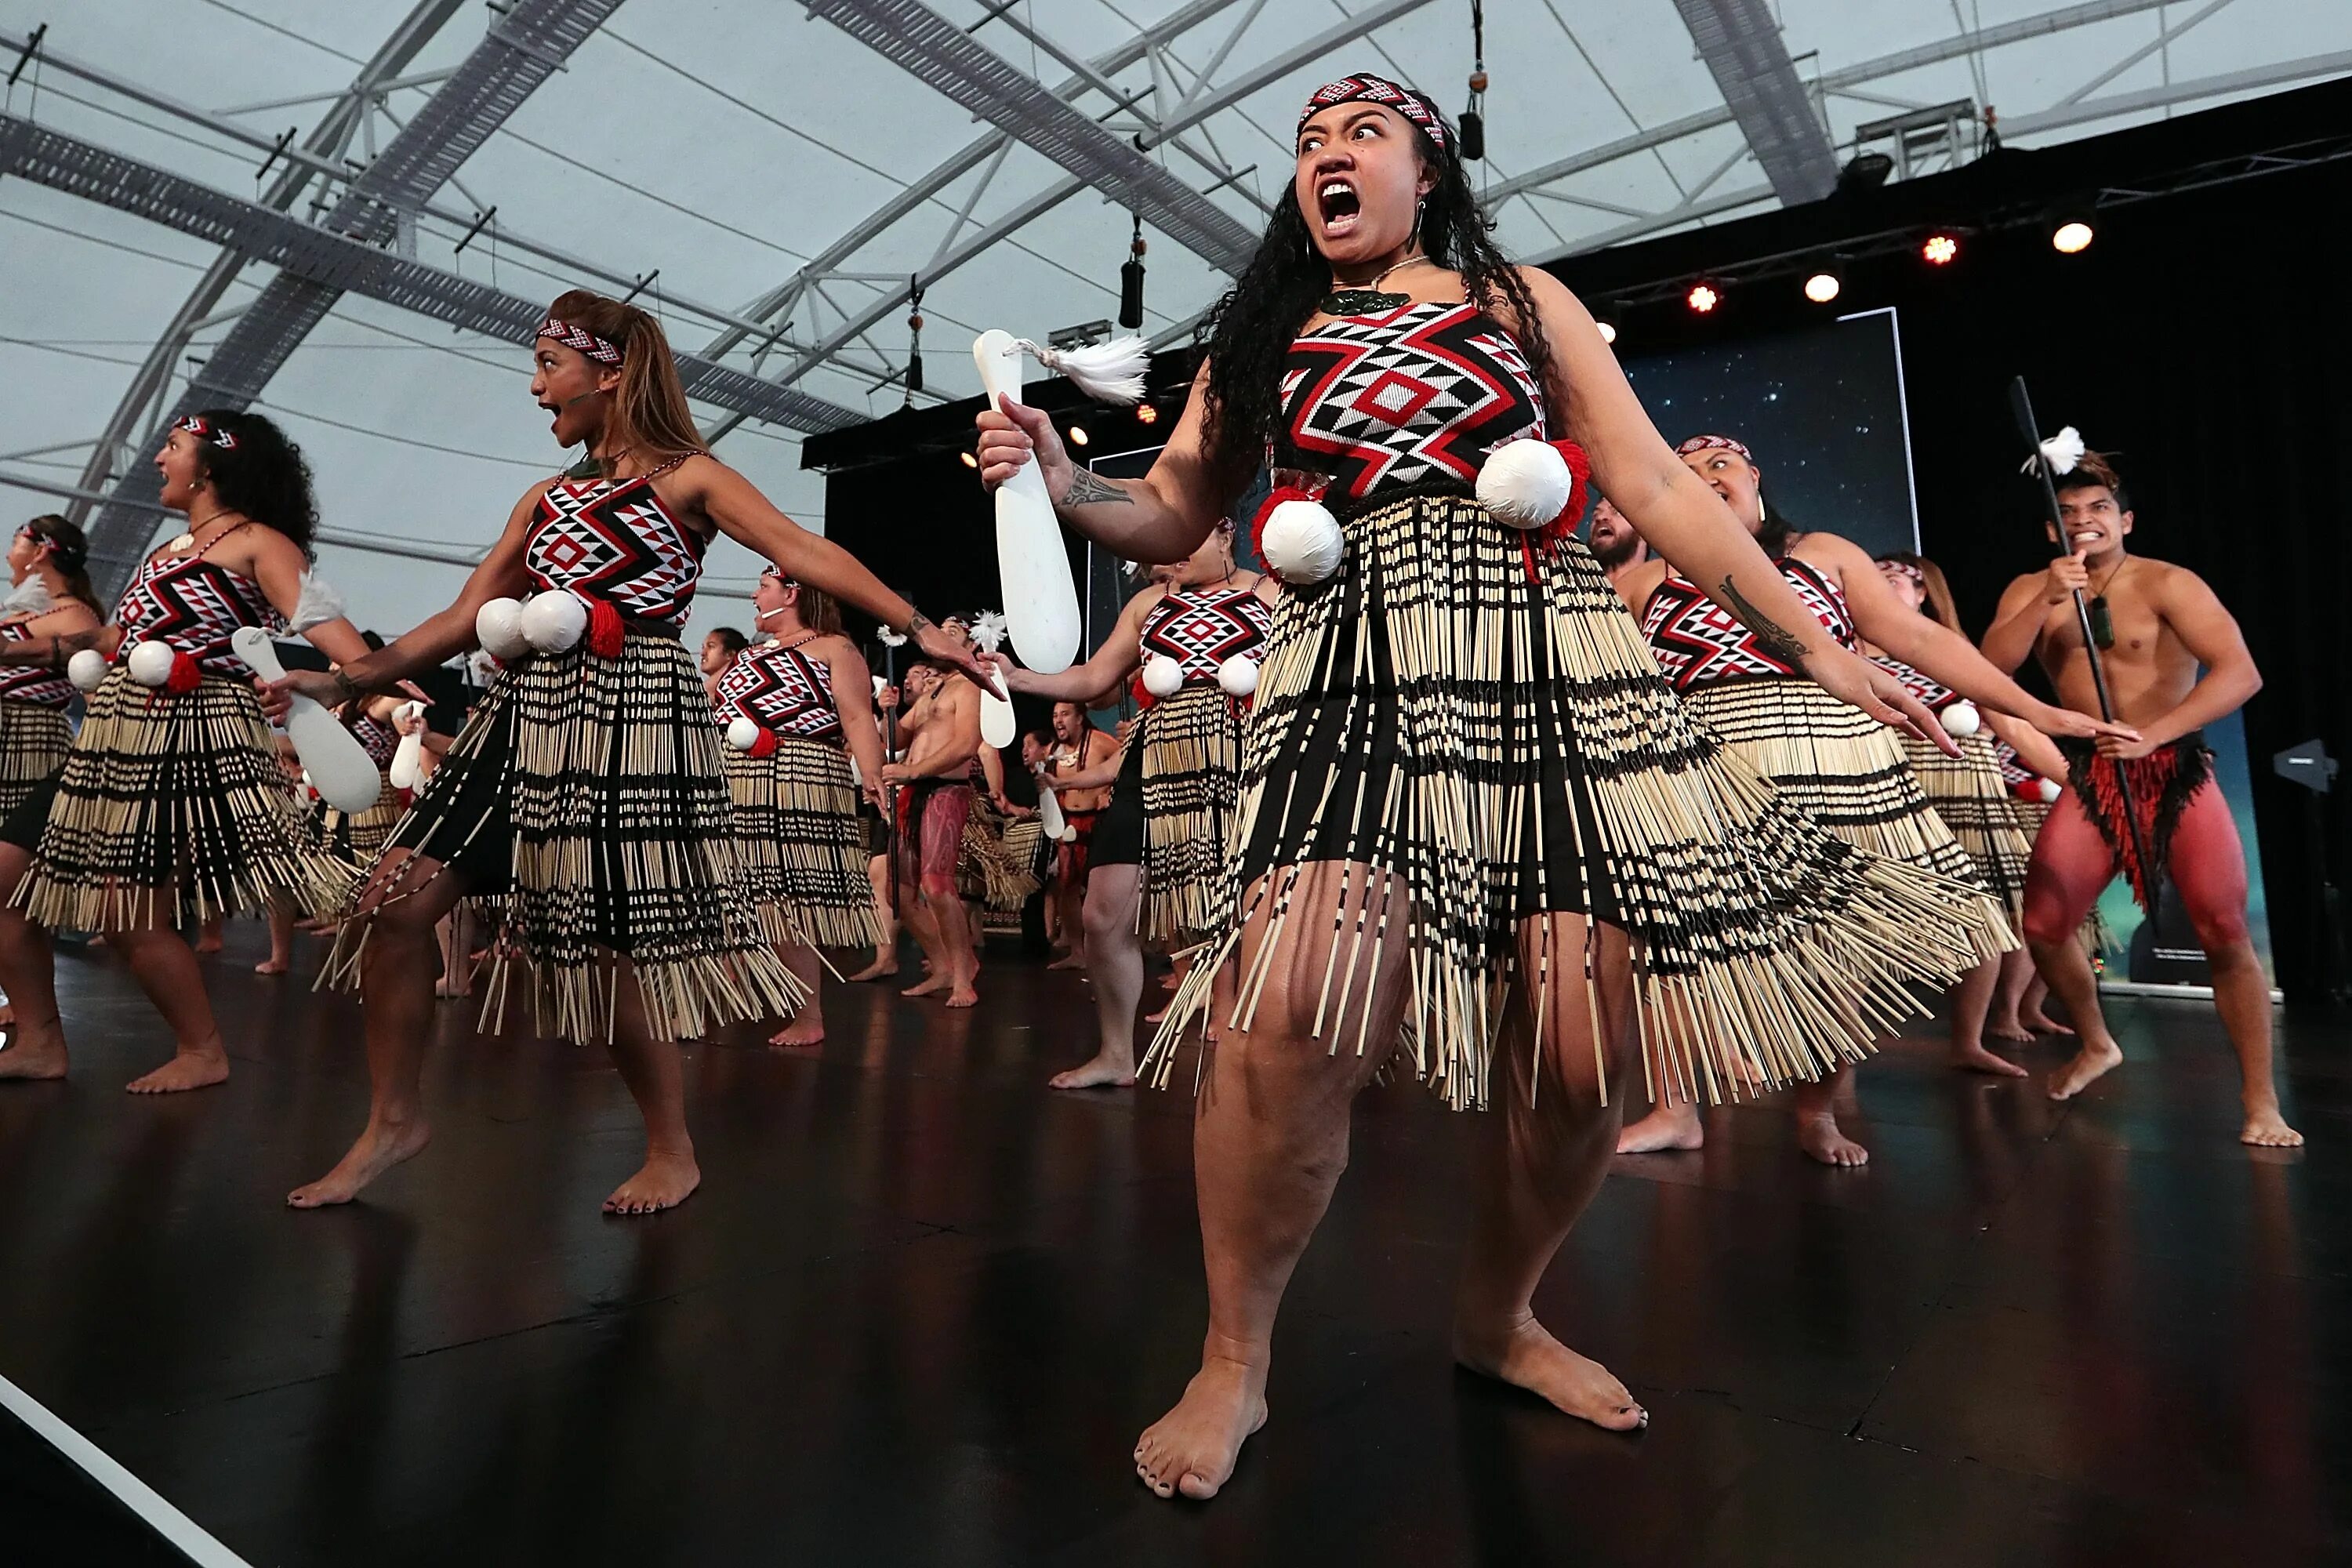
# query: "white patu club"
[340,769]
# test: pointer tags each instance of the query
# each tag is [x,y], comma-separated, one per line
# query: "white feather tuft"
[2058,453]
[890,639]
[1107,373]
[988,629]
[29,597]
[319,602]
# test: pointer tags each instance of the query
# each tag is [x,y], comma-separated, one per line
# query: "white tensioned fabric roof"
[777,171]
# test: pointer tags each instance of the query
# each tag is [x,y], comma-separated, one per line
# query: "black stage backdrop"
[2202,339]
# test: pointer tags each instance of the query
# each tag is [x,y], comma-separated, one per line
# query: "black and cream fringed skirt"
[1848,772]
[34,738]
[997,864]
[586,809]
[1191,787]
[1974,802]
[178,793]
[803,843]
[359,837]
[1481,718]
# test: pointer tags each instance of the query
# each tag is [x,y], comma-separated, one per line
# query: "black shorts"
[23,825]
[1118,837]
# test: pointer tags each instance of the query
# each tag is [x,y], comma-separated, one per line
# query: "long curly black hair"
[264,477]
[1249,331]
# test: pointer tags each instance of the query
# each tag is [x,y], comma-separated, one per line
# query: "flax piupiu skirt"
[1192,742]
[803,843]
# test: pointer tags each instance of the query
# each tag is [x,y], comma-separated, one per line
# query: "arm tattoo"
[63,646]
[1085,490]
[1773,639]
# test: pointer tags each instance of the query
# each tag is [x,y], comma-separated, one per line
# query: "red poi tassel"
[1143,698]
[605,633]
[1257,523]
[187,675]
[764,744]
[1580,492]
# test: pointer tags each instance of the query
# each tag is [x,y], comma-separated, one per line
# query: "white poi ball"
[1961,718]
[2048,790]
[86,669]
[1238,675]
[150,663]
[1525,483]
[498,626]
[742,733]
[556,620]
[1163,675]
[1302,541]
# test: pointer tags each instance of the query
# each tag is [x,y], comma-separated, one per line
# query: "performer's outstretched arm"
[1163,516]
[1109,663]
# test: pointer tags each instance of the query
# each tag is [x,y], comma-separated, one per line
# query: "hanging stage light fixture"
[1130,283]
[914,339]
[1474,118]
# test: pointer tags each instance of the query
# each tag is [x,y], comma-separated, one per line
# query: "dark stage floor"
[922,1306]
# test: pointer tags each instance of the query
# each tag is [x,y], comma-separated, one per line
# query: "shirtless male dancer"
[1614,543]
[940,730]
[2155,624]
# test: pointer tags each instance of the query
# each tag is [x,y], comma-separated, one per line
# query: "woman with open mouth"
[1475,827]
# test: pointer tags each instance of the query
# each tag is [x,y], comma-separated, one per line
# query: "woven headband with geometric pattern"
[1377,90]
[204,429]
[1708,443]
[580,338]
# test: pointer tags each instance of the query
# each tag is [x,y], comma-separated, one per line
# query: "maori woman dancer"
[1848,775]
[1971,798]
[49,596]
[1469,803]
[585,796]
[795,711]
[170,809]
[1156,862]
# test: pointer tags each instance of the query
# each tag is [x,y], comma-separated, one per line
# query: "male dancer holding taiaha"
[2154,624]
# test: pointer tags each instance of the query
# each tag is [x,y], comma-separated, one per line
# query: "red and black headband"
[204,429]
[580,338]
[1377,90]
[1709,443]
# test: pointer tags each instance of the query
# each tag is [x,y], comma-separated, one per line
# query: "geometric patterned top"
[1424,391]
[782,689]
[379,740]
[1932,693]
[1698,642]
[614,541]
[193,604]
[2012,772]
[29,682]
[1201,628]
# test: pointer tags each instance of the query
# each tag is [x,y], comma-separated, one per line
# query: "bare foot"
[1525,1356]
[964,996]
[1976,1059]
[1100,1073]
[1071,960]
[2266,1129]
[272,966]
[2041,1023]
[1666,1128]
[1192,1450]
[929,986]
[2087,1066]
[210,943]
[29,1060]
[880,969]
[377,1150]
[2009,1029]
[663,1182]
[1819,1136]
[800,1033]
[189,1069]
[1156,1017]
[447,988]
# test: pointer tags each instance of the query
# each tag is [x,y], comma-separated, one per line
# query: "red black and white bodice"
[2013,771]
[1933,694]
[613,539]
[193,604]
[376,738]
[1421,393]
[1698,642]
[29,682]
[781,688]
[1201,628]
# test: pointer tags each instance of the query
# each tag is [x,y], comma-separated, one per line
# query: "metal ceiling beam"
[935,50]
[326,140]
[1192,111]
[1740,42]
[519,50]
[1958,45]
[2251,80]
[340,263]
